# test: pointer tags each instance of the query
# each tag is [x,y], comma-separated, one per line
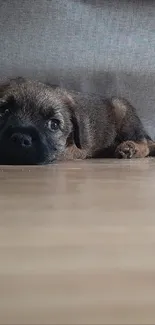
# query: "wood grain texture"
[77,243]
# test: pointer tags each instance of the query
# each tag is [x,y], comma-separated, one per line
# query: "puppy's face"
[35,123]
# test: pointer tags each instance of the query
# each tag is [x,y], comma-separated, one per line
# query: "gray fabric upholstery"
[100,46]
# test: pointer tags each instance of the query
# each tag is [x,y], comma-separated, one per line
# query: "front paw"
[126,150]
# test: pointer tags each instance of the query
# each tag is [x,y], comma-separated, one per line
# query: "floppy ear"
[77,134]
[81,128]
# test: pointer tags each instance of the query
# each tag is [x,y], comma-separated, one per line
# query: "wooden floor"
[77,243]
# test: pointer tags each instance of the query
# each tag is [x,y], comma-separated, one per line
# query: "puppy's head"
[36,122]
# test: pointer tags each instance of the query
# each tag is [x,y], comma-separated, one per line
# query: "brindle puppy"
[40,124]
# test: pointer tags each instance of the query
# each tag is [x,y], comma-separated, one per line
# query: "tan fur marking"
[73,153]
[151,145]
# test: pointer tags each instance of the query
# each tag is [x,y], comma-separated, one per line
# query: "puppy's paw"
[126,150]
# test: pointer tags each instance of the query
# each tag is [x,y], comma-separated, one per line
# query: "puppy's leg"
[132,138]
[129,149]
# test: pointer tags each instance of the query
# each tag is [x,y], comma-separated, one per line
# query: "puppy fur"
[40,123]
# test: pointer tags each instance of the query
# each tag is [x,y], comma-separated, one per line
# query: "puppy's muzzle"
[20,145]
[21,140]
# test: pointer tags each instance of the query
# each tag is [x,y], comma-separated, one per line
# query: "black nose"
[21,140]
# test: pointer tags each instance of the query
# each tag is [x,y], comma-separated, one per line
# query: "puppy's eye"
[53,124]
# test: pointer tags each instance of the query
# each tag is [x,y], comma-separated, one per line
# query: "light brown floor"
[77,243]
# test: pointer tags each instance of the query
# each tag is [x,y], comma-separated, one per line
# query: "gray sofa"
[99,46]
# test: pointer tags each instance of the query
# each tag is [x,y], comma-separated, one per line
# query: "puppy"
[40,124]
